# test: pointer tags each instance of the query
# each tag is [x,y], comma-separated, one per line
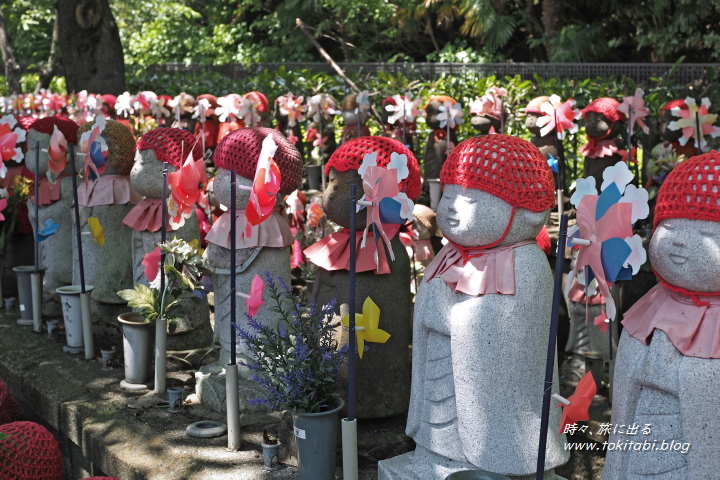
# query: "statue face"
[336,198]
[146,174]
[222,189]
[531,123]
[483,123]
[665,132]
[431,114]
[686,253]
[35,138]
[351,117]
[597,125]
[471,217]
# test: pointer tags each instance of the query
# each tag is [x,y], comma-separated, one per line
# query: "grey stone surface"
[211,390]
[146,174]
[55,251]
[383,364]
[465,412]
[658,385]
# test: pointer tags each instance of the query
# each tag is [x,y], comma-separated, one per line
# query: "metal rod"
[351,306]
[552,339]
[37,202]
[699,133]
[78,227]
[233,210]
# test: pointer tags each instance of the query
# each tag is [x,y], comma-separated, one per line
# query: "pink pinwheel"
[56,152]
[265,187]
[634,108]
[249,111]
[604,230]
[152,264]
[186,188]
[450,115]
[254,300]
[315,214]
[3,206]
[577,407]
[293,107]
[9,138]
[488,103]
[296,257]
[319,105]
[558,116]
[94,149]
[405,109]
[691,118]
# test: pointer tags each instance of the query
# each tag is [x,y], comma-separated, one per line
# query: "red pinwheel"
[56,152]
[577,407]
[186,189]
[315,214]
[254,300]
[558,116]
[265,187]
[152,264]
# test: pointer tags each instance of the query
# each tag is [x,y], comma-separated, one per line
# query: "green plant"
[20,192]
[182,265]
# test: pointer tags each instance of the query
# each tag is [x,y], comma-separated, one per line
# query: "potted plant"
[10,202]
[182,270]
[297,364]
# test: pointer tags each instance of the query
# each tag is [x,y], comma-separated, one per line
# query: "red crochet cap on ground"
[349,156]
[605,106]
[171,145]
[240,150]
[691,190]
[30,452]
[9,407]
[68,128]
[508,167]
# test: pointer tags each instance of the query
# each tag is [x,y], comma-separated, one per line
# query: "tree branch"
[12,69]
[47,72]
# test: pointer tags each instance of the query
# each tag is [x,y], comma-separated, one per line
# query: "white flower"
[406,205]
[399,163]
[228,107]
[19,155]
[199,111]
[638,256]
[369,160]
[619,174]
[123,105]
[583,186]
[638,197]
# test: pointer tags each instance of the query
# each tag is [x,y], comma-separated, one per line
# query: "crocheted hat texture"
[426,216]
[30,452]
[508,167]
[691,190]
[440,98]
[533,105]
[264,106]
[121,144]
[605,106]
[240,149]
[26,122]
[100,478]
[212,100]
[349,156]
[171,145]
[675,103]
[66,126]
[109,100]
[9,407]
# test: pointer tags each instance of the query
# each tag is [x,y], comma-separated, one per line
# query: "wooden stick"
[303,28]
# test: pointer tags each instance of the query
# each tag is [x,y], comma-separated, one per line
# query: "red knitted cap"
[675,103]
[9,407]
[349,156]
[30,451]
[170,145]
[109,100]
[605,106]
[691,190]
[441,99]
[99,478]
[508,167]
[262,100]
[66,126]
[240,149]
[25,122]
[534,105]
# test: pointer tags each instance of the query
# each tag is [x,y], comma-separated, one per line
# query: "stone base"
[403,468]
[210,390]
[134,387]
[73,350]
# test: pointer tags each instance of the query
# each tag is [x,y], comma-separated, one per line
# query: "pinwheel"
[123,105]
[634,108]
[693,119]
[367,326]
[382,197]
[319,105]
[558,116]
[200,110]
[450,115]
[489,102]
[10,136]
[405,110]
[151,261]
[604,229]
[56,153]
[315,214]
[293,107]
[94,149]
[228,107]
[186,188]
[296,257]
[254,299]
[576,408]
[159,108]
[98,232]
[265,187]
[48,229]
[3,206]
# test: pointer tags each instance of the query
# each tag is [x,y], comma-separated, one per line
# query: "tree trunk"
[47,72]
[12,69]
[550,14]
[89,40]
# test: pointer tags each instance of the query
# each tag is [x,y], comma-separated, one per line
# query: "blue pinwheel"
[48,229]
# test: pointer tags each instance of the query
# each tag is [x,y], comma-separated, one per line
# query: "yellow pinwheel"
[366,325]
[97,230]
